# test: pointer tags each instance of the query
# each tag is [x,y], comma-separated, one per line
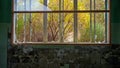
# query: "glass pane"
[93,4]
[27,29]
[68,4]
[83,27]
[99,28]
[60,27]
[53,4]
[53,27]
[37,27]
[100,4]
[84,4]
[93,27]
[19,27]
[18,5]
[30,5]
[43,5]
[68,21]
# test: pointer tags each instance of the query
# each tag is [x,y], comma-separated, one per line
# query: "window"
[61,21]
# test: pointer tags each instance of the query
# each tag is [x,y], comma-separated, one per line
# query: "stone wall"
[76,57]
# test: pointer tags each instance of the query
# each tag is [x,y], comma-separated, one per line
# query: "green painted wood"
[115,22]
[115,11]
[3,45]
[5,11]
[115,33]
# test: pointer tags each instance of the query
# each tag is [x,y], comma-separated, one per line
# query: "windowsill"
[55,43]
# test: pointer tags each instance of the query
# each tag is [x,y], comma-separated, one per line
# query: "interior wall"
[115,22]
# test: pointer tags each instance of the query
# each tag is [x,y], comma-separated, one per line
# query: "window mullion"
[95,22]
[90,21]
[15,6]
[15,22]
[106,20]
[14,28]
[24,17]
[61,20]
[60,35]
[45,23]
[30,22]
[75,22]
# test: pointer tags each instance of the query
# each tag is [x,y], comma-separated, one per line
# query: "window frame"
[75,28]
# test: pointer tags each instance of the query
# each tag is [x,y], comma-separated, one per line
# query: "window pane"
[100,4]
[99,28]
[60,27]
[53,4]
[93,4]
[93,28]
[68,21]
[31,5]
[84,4]
[37,27]
[53,27]
[18,5]
[39,5]
[27,28]
[84,27]
[68,4]
[19,27]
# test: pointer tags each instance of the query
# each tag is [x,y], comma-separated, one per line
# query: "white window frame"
[75,11]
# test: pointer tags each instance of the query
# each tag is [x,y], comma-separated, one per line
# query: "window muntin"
[60,23]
